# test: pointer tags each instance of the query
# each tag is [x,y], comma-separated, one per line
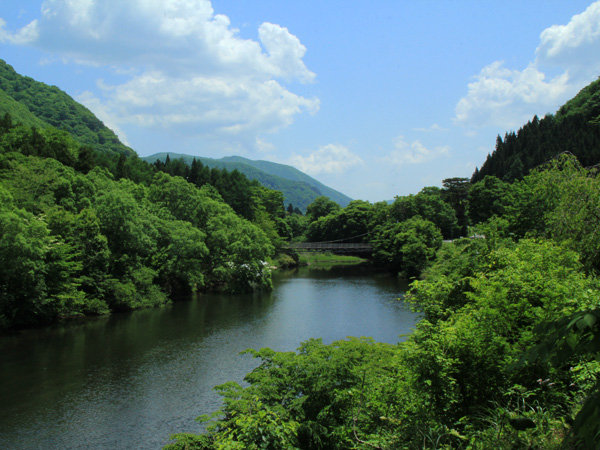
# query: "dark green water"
[130,380]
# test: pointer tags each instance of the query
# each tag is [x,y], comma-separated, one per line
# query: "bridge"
[333,247]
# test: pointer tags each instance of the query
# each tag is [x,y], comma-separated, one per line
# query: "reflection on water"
[130,380]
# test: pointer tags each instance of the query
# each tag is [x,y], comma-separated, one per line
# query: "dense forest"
[78,238]
[575,128]
[506,352]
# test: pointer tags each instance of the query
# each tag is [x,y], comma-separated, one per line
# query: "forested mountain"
[298,188]
[32,103]
[574,128]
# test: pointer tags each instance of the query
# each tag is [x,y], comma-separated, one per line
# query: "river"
[130,380]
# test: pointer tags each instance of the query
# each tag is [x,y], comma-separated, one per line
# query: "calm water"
[130,380]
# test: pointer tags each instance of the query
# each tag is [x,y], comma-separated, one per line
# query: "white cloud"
[285,52]
[25,35]
[331,158]
[575,46]
[507,98]
[432,128]
[216,105]
[264,146]
[187,67]
[413,153]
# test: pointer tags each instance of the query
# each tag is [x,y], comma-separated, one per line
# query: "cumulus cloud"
[575,46]
[25,35]
[331,158]
[432,128]
[188,67]
[413,153]
[506,98]
[503,97]
[217,105]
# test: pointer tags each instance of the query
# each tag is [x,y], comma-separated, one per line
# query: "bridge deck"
[331,247]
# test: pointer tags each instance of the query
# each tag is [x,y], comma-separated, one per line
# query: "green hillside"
[19,112]
[33,103]
[298,188]
[291,173]
[575,128]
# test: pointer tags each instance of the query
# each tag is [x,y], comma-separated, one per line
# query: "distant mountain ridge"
[298,188]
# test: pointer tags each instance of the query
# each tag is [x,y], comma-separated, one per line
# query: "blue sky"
[374,98]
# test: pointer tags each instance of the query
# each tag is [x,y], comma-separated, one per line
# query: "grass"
[328,258]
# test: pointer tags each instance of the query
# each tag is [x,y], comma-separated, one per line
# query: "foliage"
[408,246]
[487,198]
[329,259]
[321,207]
[455,192]
[429,205]
[247,197]
[351,224]
[456,382]
[75,244]
[290,403]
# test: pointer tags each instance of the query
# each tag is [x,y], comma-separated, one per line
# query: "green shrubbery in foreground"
[505,356]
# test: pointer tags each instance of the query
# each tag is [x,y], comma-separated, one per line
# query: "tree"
[36,274]
[487,198]
[429,205]
[321,207]
[407,246]
[455,192]
[349,224]
[85,159]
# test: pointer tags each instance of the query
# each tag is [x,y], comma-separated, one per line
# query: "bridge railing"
[333,247]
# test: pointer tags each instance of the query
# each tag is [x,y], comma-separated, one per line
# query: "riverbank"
[286,261]
[308,259]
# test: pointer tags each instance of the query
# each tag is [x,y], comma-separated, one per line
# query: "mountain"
[38,105]
[298,188]
[33,103]
[574,128]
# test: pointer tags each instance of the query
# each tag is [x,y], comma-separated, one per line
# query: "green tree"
[37,283]
[455,192]
[487,198]
[321,207]
[429,205]
[407,246]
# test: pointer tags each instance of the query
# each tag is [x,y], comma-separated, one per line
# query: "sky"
[374,98]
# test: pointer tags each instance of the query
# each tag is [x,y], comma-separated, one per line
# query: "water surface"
[131,380]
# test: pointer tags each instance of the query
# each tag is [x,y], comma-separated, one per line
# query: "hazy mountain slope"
[50,105]
[298,188]
[291,173]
